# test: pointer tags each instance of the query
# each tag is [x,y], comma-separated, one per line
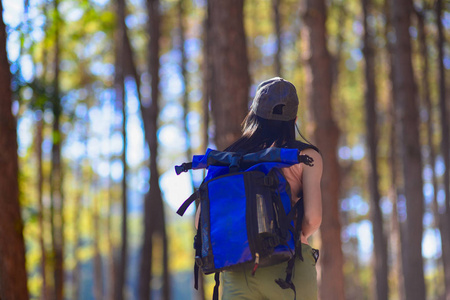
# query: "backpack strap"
[287,282]
[284,219]
[198,249]
[216,286]
[188,202]
[196,267]
[297,208]
[298,227]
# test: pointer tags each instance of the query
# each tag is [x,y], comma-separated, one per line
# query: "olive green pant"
[242,285]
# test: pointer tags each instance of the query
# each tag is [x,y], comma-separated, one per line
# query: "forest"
[101,99]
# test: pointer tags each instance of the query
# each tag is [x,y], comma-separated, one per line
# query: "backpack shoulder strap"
[188,202]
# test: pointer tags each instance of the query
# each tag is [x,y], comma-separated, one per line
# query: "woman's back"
[271,123]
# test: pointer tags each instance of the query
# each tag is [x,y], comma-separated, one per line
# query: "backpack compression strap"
[198,252]
[234,160]
[297,208]
[287,282]
[188,202]
[216,286]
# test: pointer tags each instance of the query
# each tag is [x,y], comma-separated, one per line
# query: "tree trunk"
[98,270]
[56,174]
[145,271]
[154,218]
[77,279]
[396,231]
[336,59]
[149,118]
[445,149]
[396,234]
[427,106]
[56,208]
[207,77]
[40,189]
[201,294]
[379,239]
[230,77]
[331,283]
[119,82]
[277,27]
[184,74]
[13,275]
[45,270]
[128,69]
[206,92]
[111,278]
[122,271]
[410,150]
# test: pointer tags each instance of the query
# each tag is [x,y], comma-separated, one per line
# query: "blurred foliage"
[91,121]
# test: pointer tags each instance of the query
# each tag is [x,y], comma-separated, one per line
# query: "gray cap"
[276,92]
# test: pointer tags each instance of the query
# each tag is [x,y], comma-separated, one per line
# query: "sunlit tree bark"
[331,283]
[336,58]
[76,274]
[396,235]
[111,276]
[206,94]
[45,254]
[405,91]
[379,240]
[428,108]
[277,26]
[119,82]
[154,219]
[206,78]
[181,27]
[56,173]
[40,189]
[91,191]
[13,276]
[124,228]
[184,74]
[445,147]
[230,78]
[97,267]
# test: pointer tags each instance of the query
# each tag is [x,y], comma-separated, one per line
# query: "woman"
[271,123]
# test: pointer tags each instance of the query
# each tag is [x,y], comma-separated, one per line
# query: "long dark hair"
[259,133]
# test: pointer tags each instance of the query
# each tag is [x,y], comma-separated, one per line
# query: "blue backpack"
[246,215]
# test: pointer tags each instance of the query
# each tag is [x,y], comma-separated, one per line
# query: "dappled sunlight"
[86,156]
